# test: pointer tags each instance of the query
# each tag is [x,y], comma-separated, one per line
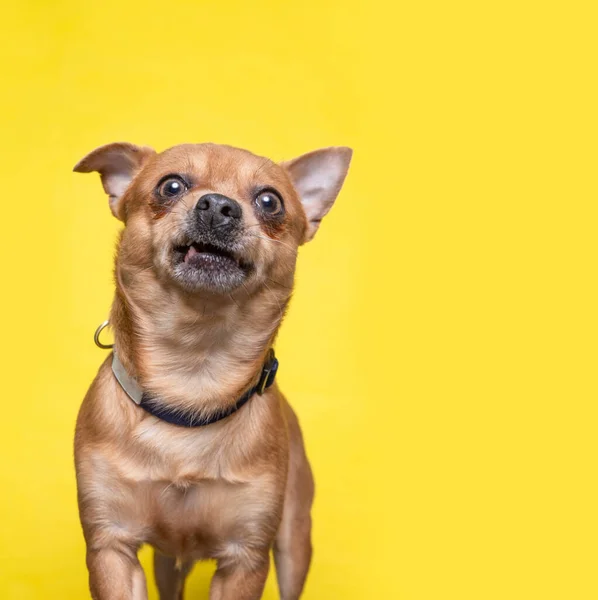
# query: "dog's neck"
[195,353]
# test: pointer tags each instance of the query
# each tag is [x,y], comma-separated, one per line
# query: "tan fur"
[231,490]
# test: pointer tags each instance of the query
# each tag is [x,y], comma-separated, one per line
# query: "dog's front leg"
[240,581]
[115,574]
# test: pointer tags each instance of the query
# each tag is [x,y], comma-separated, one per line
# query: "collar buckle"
[268,373]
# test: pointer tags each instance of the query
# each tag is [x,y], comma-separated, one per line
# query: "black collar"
[153,405]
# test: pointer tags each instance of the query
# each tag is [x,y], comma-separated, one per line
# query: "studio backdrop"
[440,347]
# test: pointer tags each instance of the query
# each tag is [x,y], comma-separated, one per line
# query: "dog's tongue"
[190,253]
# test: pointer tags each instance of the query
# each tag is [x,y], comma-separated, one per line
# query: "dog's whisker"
[282,285]
[261,237]
[265,162]
[277,301]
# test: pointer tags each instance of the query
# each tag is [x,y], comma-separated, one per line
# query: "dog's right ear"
[117,164]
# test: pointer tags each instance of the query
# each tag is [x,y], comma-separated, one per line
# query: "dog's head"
[212,218]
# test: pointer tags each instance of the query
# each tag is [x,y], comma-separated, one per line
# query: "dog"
[184,440]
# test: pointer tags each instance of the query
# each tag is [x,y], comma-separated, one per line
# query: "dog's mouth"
[202,264]
[204,254]
[198,252]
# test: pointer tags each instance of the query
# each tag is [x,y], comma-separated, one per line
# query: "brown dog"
[182,441]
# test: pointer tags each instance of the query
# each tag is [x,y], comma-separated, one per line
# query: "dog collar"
[155,407]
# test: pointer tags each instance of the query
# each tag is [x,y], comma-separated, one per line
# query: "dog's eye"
[171,187]
[270,203]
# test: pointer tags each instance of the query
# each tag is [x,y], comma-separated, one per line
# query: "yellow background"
[441,345]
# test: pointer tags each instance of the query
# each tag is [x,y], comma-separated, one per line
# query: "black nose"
[216,210]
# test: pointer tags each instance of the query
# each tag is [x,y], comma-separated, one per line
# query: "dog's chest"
[211,518]
[191,497]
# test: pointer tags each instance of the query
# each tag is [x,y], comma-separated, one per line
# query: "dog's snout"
[216,210]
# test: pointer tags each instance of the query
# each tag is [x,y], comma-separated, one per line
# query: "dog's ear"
[117,164]
[318,178]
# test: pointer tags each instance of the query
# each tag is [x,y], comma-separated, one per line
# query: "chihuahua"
[183,440]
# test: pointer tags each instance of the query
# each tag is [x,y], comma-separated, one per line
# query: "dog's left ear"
[318,178]
[117,164]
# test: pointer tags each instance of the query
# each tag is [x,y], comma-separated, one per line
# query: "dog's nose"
[216,210]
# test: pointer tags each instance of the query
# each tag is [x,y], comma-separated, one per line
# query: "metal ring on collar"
[96,336]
